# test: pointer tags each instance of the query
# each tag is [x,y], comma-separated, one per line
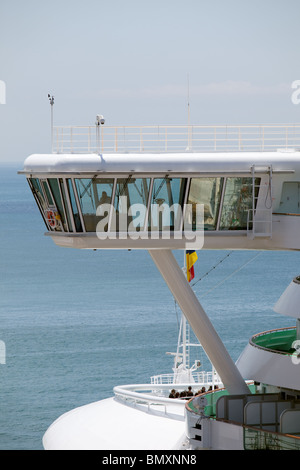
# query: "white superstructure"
[233,197]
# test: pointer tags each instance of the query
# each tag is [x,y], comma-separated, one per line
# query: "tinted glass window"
[206,191]
[39,193]
[93,192]
[167,203]
[76,215]
[131,202]
[238,201]
[58,201]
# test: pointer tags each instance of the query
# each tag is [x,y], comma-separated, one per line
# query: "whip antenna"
[51,99]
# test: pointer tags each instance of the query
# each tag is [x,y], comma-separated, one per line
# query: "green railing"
[280,340]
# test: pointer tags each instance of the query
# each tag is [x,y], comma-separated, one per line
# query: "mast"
[188,109]
[184,343]
[51,100]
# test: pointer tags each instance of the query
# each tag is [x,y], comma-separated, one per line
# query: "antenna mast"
[51,99]
[188,98]
[189,147]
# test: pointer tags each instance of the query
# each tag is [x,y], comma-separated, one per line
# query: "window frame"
[186,180]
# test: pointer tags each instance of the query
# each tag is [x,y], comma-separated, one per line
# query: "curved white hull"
[111,424]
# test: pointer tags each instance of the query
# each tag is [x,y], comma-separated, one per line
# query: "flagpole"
[184,319]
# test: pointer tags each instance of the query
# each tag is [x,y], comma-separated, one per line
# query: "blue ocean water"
[77,323]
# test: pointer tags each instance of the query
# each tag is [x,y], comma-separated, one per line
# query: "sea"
[75,323]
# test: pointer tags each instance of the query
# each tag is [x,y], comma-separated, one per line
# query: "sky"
[134,61]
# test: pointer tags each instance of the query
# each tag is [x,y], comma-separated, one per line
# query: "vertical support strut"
[199,321]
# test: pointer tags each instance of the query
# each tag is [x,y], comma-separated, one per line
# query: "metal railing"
[259,439]
[147,394]
[122,139]
[199,378]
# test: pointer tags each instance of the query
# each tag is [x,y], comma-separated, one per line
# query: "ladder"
[259,220]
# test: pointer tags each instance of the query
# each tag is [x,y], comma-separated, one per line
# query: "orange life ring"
[51,218]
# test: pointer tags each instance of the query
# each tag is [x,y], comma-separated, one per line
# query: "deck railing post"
[215,138]
[166,139]
[116,139]
[141,139]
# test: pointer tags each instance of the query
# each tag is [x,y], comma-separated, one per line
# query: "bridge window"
[131,202]
[36,189]
[66,204]
[48,207]
[226,201]
[206,191]
[76,216]
[238,200]
[38,192]
[58,200]
[93,192]
[47,193]
[166,203]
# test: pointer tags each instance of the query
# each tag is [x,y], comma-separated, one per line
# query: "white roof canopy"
[289,302]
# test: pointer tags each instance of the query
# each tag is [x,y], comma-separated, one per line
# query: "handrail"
[132,392]
[172,138]
[262,439]
[199,378]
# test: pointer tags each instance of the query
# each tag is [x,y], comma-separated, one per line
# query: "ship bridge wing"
[232,200]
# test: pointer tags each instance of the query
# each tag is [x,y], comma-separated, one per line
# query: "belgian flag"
[191,258]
